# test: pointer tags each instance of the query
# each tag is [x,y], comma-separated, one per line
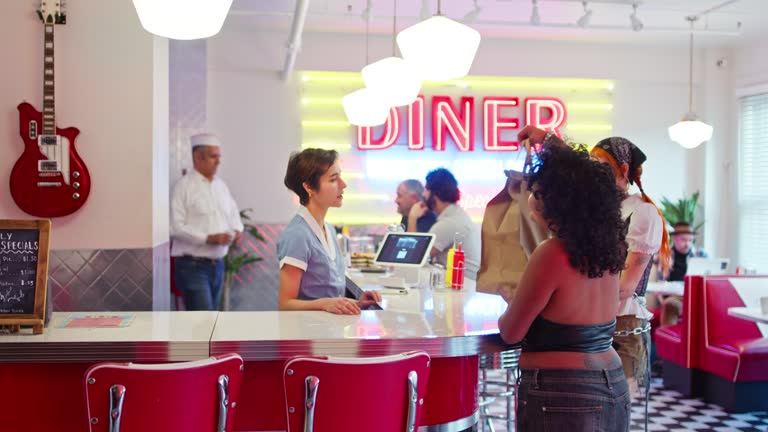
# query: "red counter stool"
[190,397]
[374,394]
[491,389]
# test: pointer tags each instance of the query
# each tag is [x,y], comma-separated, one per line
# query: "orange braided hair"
[665,252]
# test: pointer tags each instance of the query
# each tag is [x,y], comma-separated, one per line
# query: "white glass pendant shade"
[365,108]
[440,48]
[394,79]
[182,19]
[690,132]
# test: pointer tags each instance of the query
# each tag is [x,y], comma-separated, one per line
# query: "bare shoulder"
[551,251]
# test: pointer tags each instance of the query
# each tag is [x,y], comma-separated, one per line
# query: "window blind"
[753,182]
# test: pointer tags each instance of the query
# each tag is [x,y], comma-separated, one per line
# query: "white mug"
[764,305]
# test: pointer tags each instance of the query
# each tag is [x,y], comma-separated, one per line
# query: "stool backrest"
[375,394]
[196,396]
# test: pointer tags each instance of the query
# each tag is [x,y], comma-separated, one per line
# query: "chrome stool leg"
[492,389]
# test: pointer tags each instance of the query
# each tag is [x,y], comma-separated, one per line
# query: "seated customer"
[312,269]
[409,192]
[564,308]
[441,194]
[682,249]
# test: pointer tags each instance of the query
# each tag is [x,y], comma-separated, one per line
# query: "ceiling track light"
[535,18]
[584,20]
[472,15]
[634,21]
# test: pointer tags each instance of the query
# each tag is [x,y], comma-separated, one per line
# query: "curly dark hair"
[582,205]
[442,184]
[307,166]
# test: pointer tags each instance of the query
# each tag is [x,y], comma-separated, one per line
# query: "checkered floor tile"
[668,411]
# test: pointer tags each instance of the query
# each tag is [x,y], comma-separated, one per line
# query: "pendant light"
[440,48]
[394,79]
[365,107]
[182,19]
[690,132]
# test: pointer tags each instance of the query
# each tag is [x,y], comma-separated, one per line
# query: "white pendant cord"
[394,26]
[690,67]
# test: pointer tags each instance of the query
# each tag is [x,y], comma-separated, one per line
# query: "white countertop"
[667,288]
[750,314]
[151,336]
[442,323]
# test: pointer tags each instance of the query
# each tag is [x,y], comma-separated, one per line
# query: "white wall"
[104,86]
[258,115]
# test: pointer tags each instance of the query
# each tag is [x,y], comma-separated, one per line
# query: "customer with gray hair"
[409,192]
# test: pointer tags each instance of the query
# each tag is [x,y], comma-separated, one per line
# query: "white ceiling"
[738,23]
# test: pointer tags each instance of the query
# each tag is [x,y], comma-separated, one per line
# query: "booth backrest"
[690,330]
[719,328]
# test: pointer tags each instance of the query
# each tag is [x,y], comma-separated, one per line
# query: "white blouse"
[643,236]
[645,225]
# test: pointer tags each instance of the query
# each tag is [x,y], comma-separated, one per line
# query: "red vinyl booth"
[677,345]
[733,353]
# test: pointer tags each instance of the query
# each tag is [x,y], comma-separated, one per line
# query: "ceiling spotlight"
[367,14]
[471,16]
[637,25]
[425,12]
[535,18]
[584,20]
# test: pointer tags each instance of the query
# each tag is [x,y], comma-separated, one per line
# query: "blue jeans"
[573,400]
[200,281]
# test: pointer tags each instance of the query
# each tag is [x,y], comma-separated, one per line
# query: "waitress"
[312,269]
[646,236]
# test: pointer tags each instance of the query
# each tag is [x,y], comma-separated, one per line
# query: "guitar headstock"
[52,12]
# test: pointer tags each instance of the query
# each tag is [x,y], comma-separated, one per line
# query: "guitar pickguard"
[55,148]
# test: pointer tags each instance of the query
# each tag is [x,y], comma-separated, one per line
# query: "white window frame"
[759,264]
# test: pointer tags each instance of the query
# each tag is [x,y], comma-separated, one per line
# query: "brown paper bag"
[509,236]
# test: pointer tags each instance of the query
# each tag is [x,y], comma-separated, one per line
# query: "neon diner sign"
[546,113]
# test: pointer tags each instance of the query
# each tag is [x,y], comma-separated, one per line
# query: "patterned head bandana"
[623,151]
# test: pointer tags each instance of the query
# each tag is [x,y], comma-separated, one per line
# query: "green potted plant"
[682,210]
[237,258]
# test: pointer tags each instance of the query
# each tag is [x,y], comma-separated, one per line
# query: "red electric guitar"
[49,179]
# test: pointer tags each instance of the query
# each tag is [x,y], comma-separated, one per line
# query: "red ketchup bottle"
[457,278]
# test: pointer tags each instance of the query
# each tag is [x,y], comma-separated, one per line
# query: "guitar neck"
[49,94]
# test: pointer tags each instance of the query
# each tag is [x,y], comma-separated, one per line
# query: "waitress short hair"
[307,166]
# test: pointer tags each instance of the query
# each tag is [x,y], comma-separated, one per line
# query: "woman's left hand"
[368,298]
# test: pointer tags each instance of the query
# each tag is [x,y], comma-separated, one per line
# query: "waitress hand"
[341,306]
[368,298]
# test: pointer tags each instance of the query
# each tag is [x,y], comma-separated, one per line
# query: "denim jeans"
[573,400]
[199,281]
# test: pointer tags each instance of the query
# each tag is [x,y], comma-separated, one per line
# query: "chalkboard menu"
[24,248]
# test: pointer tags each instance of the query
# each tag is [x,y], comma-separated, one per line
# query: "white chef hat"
[207,139]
